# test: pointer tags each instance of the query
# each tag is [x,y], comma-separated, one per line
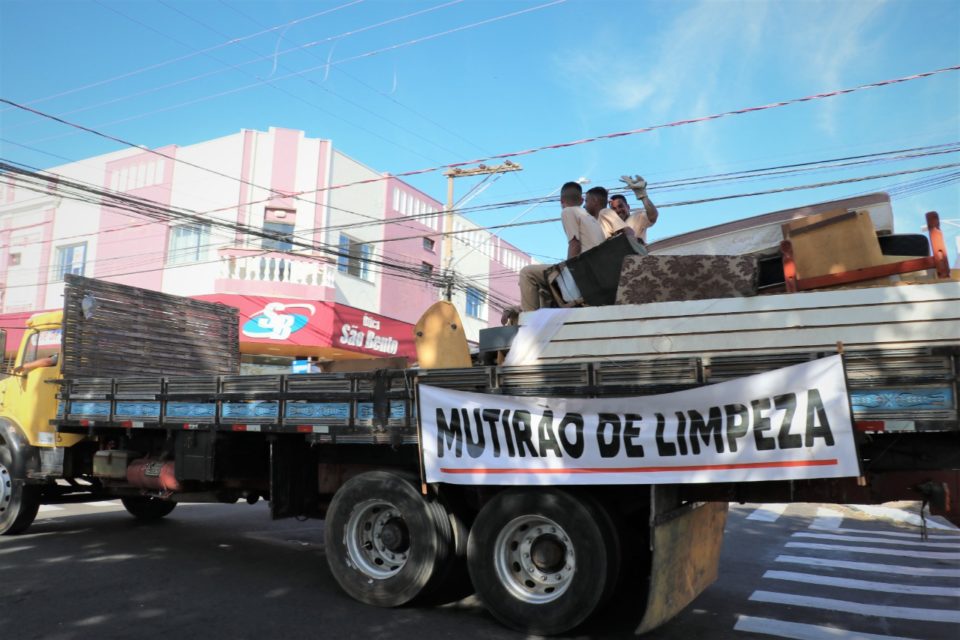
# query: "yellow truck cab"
[25,397]
[30,447]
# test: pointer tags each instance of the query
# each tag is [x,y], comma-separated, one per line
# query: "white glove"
[637,184]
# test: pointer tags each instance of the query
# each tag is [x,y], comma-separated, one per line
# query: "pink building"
[372,248]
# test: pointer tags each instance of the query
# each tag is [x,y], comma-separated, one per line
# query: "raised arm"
[639,187]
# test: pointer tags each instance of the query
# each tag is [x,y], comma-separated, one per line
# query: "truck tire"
[19,502]
[451,579]
[385,542]
[146,508]
[542,560]
[611,528]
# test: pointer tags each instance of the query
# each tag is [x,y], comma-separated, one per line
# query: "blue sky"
[561,71]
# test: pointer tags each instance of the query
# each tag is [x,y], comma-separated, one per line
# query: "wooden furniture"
[834,251]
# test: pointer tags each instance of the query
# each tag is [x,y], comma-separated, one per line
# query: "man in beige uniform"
[583,232]
[641,220]
[596,205]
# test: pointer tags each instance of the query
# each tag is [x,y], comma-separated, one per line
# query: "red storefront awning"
[298,327]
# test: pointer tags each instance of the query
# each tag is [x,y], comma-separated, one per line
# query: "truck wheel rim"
[377,539]
[6,488]
[534,559]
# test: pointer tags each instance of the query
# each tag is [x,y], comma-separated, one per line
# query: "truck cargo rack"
[912,386]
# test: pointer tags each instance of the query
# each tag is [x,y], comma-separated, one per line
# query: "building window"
[188,243]
[474,302]
[354,258]
[429,243]
[426,269]
[70,259]
[13,259]
[283,240]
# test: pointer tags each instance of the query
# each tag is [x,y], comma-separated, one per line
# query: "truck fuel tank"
[150,473]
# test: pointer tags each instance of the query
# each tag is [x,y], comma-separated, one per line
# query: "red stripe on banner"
[705,467]
[127,423]
[304,428]
[869,425]
[239,427]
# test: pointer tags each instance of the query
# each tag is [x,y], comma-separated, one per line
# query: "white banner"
[792,423]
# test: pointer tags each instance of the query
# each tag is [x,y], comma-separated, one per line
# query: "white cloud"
[834,39]
[662,70]
[715,49]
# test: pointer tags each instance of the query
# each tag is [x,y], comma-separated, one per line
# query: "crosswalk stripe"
[875,540]
[801,631]
[867,585]
[903,553]
[896,534]
[859,608]
[44,508]
[103,504]
[871,567]
[827,519]
[768,513]
[899,515]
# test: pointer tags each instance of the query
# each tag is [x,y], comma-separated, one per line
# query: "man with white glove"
[640,220]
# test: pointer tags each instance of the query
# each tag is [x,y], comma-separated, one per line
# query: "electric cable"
[326,65]
[192,54]
[647,129]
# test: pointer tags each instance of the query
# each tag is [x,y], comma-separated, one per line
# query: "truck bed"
[893,317]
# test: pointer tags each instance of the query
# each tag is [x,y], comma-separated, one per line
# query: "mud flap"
[293,479]
[685,544]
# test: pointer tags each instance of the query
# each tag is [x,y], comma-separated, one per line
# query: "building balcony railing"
[257,265]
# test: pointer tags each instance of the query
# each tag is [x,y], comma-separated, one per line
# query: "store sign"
[372,333]
[291,323]
[275,322]
[368,336]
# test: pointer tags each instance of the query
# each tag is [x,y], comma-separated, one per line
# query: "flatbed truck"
[438,482]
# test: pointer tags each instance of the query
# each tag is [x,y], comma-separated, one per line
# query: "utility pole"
[459,172]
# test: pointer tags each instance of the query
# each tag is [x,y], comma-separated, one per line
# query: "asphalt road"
[222,572]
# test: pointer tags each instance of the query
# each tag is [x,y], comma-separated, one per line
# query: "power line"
[192,54]
[88,193]
[918,152]
[371,88]
[276,194]
[915,152]
[150,209]
[319,86]
[438,280]
[327,65]
[273,56]
[817,185]
[632,132]
[530,151]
